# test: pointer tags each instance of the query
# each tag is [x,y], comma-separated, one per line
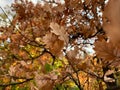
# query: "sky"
[3,3]
[8,2]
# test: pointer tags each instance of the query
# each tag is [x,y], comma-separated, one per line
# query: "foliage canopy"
[43,47]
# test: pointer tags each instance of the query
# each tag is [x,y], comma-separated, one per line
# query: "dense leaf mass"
[45,45]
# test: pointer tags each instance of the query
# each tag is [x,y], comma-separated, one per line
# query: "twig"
[16,83]
[6,14]
[77,83]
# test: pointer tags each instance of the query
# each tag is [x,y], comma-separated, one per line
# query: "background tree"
[44,46]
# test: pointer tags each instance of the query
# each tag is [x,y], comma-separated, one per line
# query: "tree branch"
[16,83]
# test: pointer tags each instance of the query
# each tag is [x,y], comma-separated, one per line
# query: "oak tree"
[45,45]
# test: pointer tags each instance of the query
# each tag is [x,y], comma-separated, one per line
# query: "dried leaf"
[60,31]
[73,53]
[72,56]
[112,23]
[109,79]
[87,2]
[47,7]
[109,52]
[54,44]
[45,82]
[60,8]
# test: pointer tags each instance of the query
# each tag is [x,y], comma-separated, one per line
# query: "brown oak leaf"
[45,82]
[108,51]
[60,31]
[54,44]
[111,22]
[104,50]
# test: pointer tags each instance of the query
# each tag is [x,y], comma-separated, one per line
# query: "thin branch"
[16,83]
[6,14]
[114,88]
[72,78]
[77,83]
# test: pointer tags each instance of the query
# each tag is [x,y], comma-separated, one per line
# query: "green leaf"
[73,88]
[48,67]
[24,88]
[14,87]
[59,87]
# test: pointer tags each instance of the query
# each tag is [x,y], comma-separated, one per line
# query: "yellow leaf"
[20,80]
[6,79]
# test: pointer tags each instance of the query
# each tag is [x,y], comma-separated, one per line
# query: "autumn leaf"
[47,7]
[45,57]
[45,82]
[60,8]
[60,31]
[72,56]
[12,69]
[6,80]
[87,2]
[49,39]
[73,53]
[38,34]
[83,66]
[111,23]
[108,51]
[54,44]
[107,78]
[23,54]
